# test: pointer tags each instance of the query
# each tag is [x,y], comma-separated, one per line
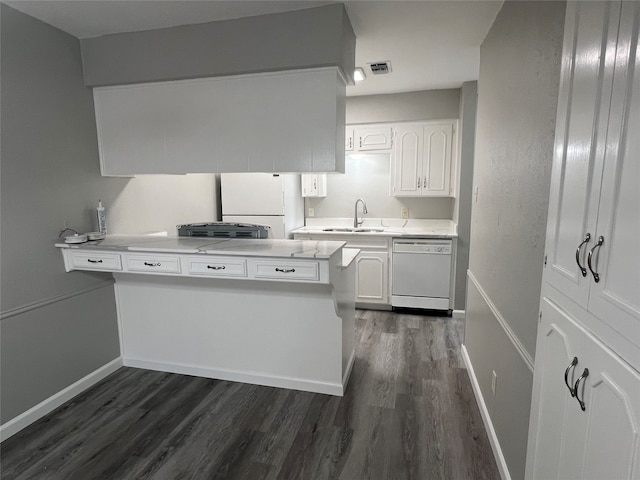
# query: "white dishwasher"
[421,273]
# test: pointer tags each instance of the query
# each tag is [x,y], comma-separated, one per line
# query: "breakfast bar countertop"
[213,246]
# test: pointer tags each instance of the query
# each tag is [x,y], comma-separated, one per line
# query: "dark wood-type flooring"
[408,413]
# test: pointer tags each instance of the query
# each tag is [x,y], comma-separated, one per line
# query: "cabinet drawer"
[153,264]
[95,261]
[286,270]
[218,267]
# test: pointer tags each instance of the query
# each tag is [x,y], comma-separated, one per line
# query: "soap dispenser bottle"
[102,218]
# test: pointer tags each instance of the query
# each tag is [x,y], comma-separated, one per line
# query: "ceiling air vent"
[380,68]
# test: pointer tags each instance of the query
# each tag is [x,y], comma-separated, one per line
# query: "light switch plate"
[310,212]
[404,212]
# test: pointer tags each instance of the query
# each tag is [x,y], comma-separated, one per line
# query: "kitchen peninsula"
[270,312]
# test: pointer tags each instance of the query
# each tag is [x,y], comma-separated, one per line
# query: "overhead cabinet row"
[269,122]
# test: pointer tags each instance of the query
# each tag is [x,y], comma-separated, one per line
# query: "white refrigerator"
[263,199]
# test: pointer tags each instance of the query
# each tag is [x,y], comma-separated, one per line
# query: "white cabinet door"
[595,433]
[407,161]
[422,159]
[615,297]
[581,124]
[372,138]
[437,147]
[372,274]
[349,139]
[314,185]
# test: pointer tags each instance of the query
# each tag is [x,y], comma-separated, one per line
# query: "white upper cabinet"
[594,225]
[422,159]
[269,122]
[368,138]
[314,184]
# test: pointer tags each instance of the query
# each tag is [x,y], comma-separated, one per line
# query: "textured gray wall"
[518,90]
[50,175]
[404,107]
[315,37]
[468,104]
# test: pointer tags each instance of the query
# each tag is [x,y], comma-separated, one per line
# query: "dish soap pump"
[102,218]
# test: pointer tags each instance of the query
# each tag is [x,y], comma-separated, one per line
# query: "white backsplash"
[368,177]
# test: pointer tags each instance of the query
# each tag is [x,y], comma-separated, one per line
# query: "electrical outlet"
[494,380]
[310,212]
[404,212]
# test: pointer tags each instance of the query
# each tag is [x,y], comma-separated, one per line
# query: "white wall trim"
[458,314]
[347,372]
[486,418]
[528,360]
[239,376]
[48,301]
[35,413]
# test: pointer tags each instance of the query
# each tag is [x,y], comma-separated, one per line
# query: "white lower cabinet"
[585,421]
[372,277]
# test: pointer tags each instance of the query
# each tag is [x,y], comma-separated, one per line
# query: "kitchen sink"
[353,230]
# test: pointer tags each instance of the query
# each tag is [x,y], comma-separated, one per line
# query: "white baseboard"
[347,372]
[239,376]
[486,418]
[35,413]
[458,314]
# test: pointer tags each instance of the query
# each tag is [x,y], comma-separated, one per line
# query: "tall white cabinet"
[585,417]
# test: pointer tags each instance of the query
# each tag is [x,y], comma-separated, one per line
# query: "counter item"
[102,218]
[75,238]
[95,236]
[263,199]
[224,230]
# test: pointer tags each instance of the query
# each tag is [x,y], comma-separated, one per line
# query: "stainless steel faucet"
[356,222]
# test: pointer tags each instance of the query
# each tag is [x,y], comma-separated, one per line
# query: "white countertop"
[213,246]
[394,227]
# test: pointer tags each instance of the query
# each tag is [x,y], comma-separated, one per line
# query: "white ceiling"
[430,44]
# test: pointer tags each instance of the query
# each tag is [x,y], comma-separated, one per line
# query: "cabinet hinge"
[545,260]
[540,317]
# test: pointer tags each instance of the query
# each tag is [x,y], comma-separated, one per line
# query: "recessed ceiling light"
[358,74]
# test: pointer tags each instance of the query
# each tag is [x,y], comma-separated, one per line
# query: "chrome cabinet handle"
[596,276]
[584,375]
[418,182]
[93,261]
[424,182]
[285,270]
[587,237]
[216,267]
[152,264]
[360,142]
[573,363]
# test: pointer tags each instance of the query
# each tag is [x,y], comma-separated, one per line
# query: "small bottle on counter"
[102,218]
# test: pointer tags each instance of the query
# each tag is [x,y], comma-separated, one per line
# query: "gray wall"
[314,37]
[462,209]
[404,107]
[518,89]
[57,327]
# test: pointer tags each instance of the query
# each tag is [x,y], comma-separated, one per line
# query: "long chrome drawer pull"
[216,267]
[573,363]
[152,264]
[285,270]
[584,375]
[93,261]
[596,276]
[587,237]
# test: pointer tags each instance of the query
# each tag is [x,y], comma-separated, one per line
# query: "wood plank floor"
[408,413]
